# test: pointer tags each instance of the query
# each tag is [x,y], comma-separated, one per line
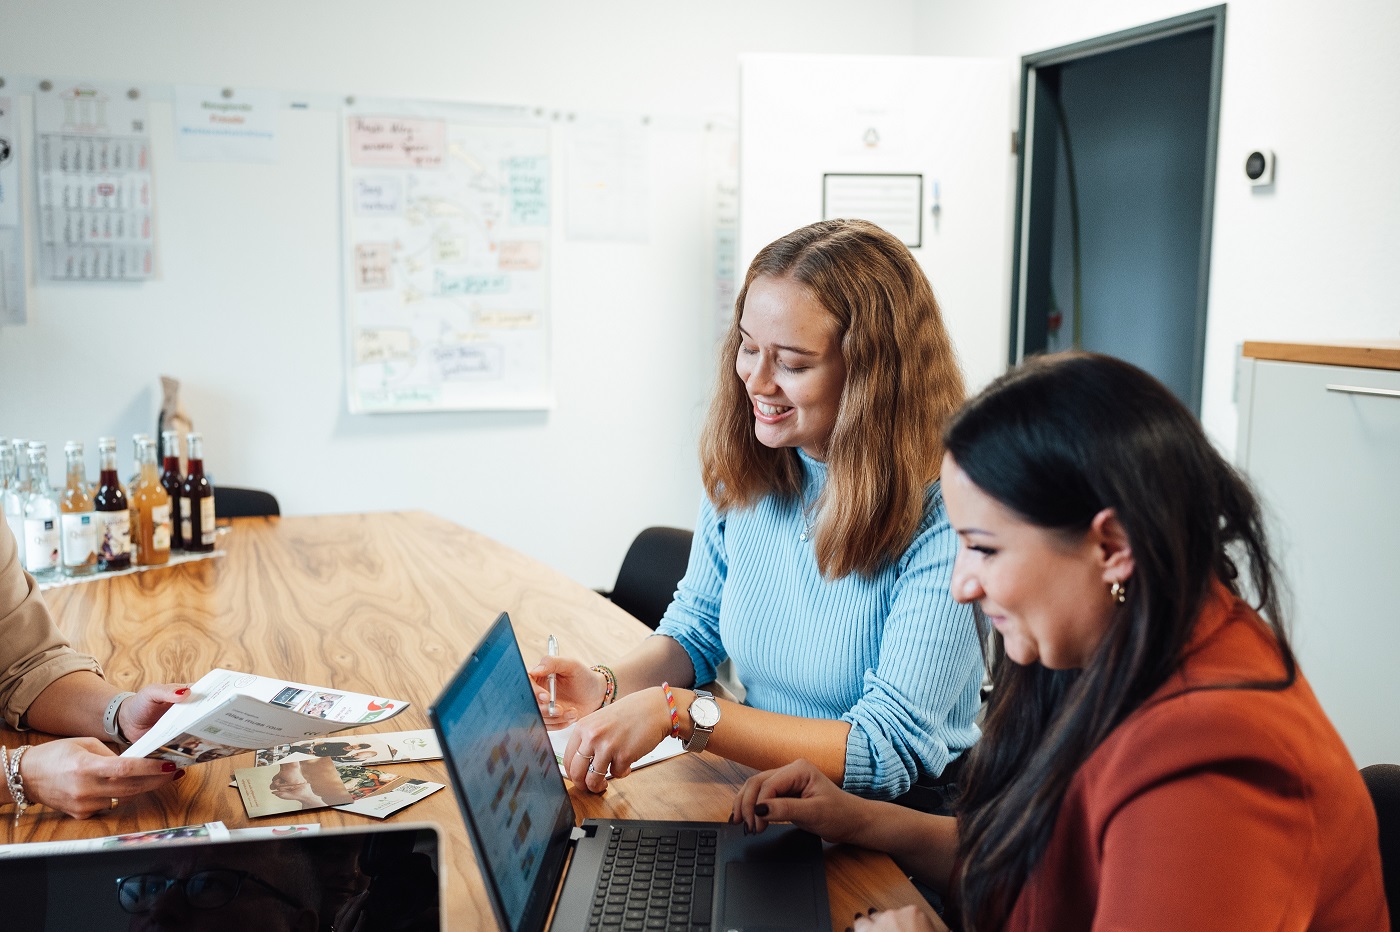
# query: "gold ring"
[591,770]
[587,757]
[113,803]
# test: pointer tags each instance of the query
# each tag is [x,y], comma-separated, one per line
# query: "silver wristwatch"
[704,716]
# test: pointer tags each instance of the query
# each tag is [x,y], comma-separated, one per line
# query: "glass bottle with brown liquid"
[78,517]
[150,510]
[170,481]
[113,514]
[197,501]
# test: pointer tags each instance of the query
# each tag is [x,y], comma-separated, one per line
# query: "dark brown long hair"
[902,384]
[1057,441]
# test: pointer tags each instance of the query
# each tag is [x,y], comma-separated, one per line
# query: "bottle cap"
[73,445]
[38,445]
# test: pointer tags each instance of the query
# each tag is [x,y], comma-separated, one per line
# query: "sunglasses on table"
[206,889]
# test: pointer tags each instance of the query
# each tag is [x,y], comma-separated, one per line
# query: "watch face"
[704,712]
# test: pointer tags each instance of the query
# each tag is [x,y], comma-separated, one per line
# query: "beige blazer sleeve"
[32,651]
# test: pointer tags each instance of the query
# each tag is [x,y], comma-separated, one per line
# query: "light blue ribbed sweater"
[894,655]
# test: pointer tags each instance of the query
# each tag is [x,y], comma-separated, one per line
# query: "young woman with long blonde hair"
[822,554]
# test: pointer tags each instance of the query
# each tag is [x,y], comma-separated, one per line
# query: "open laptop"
[372,878]
[624,874]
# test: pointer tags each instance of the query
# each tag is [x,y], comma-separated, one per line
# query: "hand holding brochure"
[228,713]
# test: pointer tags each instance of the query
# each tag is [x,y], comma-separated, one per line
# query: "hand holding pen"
[553,650]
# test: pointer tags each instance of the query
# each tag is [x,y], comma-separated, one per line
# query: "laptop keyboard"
[655,878]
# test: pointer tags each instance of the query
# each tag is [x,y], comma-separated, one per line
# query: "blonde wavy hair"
[903,383]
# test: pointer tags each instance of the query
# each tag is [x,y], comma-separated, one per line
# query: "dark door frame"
[1212,18]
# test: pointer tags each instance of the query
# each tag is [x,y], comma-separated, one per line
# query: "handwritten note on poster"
[446,227]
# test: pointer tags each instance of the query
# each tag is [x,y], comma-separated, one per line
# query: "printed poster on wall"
[215,124]
[93,174]
[447,219]
[11,235]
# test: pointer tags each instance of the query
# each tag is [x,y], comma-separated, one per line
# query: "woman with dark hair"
[1152,757]
[822,553]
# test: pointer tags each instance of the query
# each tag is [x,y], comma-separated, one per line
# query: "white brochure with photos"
[227,713]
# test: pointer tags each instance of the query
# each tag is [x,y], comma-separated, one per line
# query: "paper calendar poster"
[96,219]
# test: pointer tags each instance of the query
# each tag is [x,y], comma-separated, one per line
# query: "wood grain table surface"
[387,604]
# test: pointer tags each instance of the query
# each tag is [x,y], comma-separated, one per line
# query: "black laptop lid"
[507,781]
[371,879]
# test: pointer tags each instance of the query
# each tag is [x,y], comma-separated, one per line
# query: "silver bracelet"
[109,718]
[15,782]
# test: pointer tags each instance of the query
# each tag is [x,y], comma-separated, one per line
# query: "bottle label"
[206,520]
[160,530]
[116,534]
[79,538]
[186,529]
[41,544]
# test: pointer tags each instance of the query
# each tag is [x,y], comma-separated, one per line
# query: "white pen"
[553,650]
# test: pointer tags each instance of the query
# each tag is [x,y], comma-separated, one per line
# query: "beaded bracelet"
[609,683]
[13,780]
[675,716]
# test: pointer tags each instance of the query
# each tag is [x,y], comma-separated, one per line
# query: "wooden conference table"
[386,604]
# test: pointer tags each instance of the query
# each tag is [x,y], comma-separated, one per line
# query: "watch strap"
[109,718]
[699,734]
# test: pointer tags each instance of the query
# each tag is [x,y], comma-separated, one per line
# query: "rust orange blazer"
[1229,809]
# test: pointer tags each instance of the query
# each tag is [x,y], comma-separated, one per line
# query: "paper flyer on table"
[227,713]
[209,831]
[668,748]
[295,786]
[397,747]
[383,804]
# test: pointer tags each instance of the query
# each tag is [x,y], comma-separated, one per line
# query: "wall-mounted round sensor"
[1259,167]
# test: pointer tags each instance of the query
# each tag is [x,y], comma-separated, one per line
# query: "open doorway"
[1114,197]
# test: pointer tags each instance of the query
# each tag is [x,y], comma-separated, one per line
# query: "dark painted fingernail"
[168,767]
[180,775]
[860,915]
[182,690]
[761,809]
[873,910]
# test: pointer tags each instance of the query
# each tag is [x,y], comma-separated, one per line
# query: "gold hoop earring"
[1118,592]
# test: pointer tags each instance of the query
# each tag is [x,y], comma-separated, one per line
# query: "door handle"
[1364,390]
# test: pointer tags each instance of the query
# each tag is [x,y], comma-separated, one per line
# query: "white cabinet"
[1321,443]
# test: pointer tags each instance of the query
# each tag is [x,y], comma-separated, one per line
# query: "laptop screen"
[507,780]
[363,879]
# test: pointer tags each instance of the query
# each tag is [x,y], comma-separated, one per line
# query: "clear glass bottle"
[197,501]
[78,517]
[170,481]
[11,498]
[150,509]
[42,533]
[135,478]
[113,509]
[16,489]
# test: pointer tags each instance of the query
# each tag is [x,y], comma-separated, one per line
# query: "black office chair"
[1383,780]
[653,565]
[233,502]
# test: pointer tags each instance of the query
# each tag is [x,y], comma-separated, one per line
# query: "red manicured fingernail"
[168,767]
[182,690]
[761,809]
[180,775]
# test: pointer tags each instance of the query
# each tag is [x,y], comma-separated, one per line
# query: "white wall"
[1319,84]
[247,311]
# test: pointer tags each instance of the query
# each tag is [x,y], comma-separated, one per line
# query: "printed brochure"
[228,713]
